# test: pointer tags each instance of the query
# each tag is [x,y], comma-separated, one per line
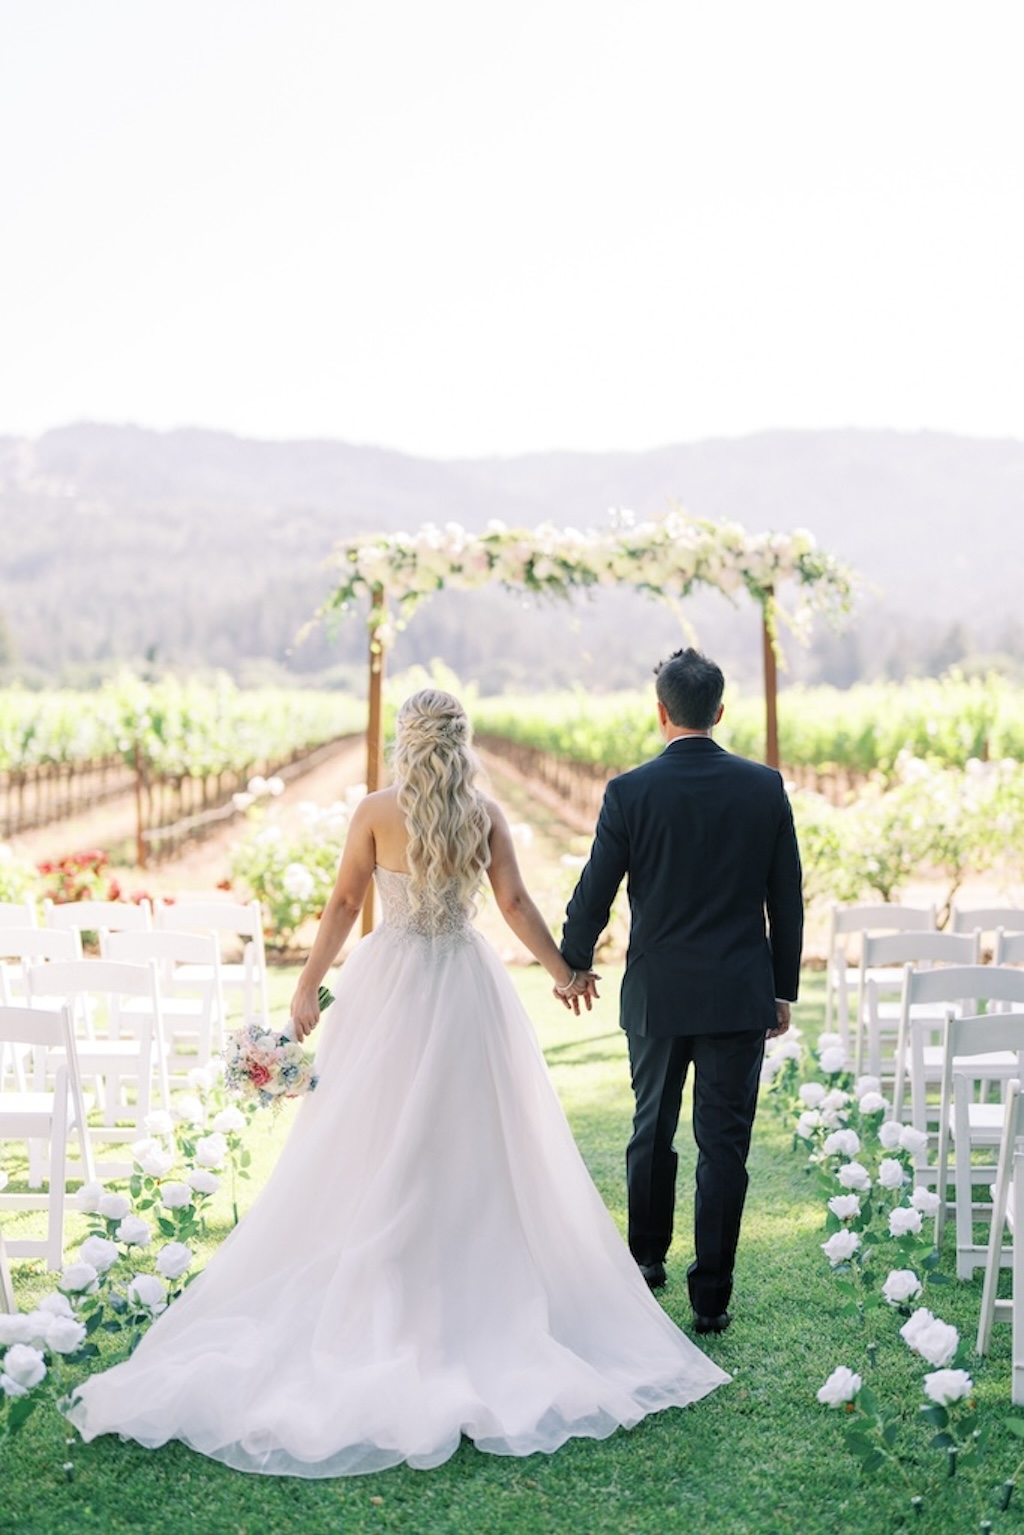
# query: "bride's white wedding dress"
[429,1258]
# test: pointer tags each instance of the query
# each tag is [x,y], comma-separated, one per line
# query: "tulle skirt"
[428,1260]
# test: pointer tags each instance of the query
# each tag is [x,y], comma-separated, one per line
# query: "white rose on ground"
[65,1335]
[827,1040]
[934,1340]
[835,1099]
[56,1304]
[844,1206]
[89,1196]
[811,1094]
[841,1387]
[889,1133]
[9,1387]
[842,1143]
[211,1150]
[867,1084]
[832,1060]
[159,1122]
[134,1232]
[229,1120]
[99,1252]
[854,1176]
[173,1260]
[913,1140]
[873,1103]
[175,1196]
[925,1200]
[200,1079]
[114,1207]
[148,1291]
[948,1386]
[16,1327]
[891,1174]
[203,1181]
[25,1366]
[153,1158]
[902,1285]
[904,1222]
[808,1122]
[841,1246]
[78,1279]
[188,1109]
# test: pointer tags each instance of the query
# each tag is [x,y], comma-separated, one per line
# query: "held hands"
[581,986]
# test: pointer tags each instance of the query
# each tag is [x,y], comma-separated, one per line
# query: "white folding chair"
[18,914]
[6,1287]
[99,916]
[986,920]
[229,920]
[883,958]
[190,988]
[42,1113]
[926,996]
[1007,1197]
[20,946]
[968,1123]
[1009,948]
[119,1037]
[848,923]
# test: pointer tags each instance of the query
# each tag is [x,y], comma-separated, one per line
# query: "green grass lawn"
[758,1457]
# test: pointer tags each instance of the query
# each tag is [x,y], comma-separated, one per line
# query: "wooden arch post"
[771,683]
[374,724]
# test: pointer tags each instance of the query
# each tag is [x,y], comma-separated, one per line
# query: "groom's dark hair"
[690,687]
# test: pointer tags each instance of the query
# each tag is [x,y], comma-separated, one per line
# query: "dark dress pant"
[726,1073]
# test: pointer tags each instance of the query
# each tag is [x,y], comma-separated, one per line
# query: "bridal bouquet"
[266,1066]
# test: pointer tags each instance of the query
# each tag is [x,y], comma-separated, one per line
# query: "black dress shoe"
[654,1273]
[711,1323]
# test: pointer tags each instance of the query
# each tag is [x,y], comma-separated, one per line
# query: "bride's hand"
[305,1014]
[582,987]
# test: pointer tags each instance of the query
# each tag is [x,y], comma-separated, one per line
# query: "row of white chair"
[232,922]
[849,925]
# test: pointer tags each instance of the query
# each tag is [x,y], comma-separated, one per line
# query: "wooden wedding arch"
[391,574]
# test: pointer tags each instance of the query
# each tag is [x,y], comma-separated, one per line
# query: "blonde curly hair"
[445,816]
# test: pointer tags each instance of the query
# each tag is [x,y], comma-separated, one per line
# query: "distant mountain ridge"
[199,547]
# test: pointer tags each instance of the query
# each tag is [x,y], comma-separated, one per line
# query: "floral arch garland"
[668,558]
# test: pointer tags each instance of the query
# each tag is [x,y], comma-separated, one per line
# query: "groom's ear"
[721,711]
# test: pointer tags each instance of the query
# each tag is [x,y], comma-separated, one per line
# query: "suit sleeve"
[587,914]
[785,907]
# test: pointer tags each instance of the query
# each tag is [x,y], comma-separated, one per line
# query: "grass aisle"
[760,1455]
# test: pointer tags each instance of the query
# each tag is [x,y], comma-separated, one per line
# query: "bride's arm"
[522,915]
[342,909]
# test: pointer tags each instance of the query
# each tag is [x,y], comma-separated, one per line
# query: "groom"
[706,841]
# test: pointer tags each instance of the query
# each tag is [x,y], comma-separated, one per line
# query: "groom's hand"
[782,1017]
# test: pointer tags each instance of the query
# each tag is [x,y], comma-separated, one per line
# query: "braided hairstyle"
[445,815]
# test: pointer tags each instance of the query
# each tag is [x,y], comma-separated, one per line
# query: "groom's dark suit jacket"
[706,841]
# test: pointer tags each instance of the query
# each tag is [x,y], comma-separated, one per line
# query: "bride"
[429,1258]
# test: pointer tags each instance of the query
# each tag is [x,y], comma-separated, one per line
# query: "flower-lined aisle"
[926,1431]
[139,1253]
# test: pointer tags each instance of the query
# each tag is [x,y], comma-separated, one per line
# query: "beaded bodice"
[398,915]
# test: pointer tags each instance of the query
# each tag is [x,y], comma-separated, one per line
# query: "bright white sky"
[476,226]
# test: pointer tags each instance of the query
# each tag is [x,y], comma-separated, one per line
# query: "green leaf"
[941,1441]
[872,1462]
[867,1401]
[890,1432]
[19,1410]
[935,1413]
[1015,1426]
[858,1443]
